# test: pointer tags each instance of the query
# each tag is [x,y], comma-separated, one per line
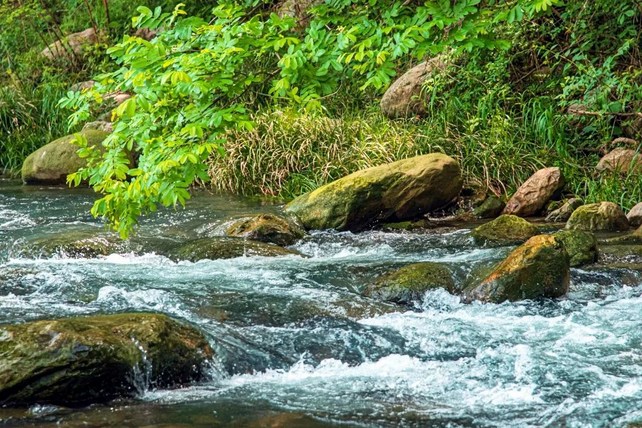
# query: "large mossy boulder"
[538,268]
[398,191]
[599,217]
[52,163]
[78,361]
[581,246]
[225,248]
[409,283]
[504,230]
[268,228]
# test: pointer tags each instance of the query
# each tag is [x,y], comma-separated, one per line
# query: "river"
[297,346]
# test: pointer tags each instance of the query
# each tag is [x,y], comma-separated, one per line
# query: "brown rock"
[402,99]
[73,44]
[635,215]
[621,160]
[538,268]
[531,197]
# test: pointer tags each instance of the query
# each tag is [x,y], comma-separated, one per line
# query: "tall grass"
[29,118]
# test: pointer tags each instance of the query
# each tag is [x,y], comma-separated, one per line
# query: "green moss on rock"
[581,246]
[399,191]
[94,359]
[538,268]
[599,217]
[504,230]
[76,244]
[226,248]
[52,163]
[490,208]
[409,283]
[268,228]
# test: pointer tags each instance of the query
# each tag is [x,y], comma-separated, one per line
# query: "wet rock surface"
[402,190]
[504,230]
[78,361]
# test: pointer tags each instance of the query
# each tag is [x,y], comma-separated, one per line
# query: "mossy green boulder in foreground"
[269,228]
[398,191]
[225,248]
[580,246]
[599,217]
[506,229]
[408,284]
[78,361]
[52,163]
[538,268]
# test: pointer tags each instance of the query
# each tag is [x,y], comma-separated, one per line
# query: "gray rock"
[563,213]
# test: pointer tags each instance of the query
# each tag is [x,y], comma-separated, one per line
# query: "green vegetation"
[527,83]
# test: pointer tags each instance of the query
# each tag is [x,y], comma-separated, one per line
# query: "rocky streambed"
[306,333]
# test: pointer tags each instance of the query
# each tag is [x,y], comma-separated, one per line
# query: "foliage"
[196,80]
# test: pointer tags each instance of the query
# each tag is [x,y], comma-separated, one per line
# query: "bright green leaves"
[196,80]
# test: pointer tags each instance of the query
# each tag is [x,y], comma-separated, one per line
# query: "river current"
[297,346]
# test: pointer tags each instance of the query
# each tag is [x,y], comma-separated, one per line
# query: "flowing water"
[296,345]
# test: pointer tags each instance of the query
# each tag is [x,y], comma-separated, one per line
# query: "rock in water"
[490,208]
[635,215]
[621,160]
[564,212]
[504,230]
[403,97]
[538,268]
[599,217]
[581,246]
[409,283]
[52,163]
[78,361]
[225,248]
[531,196]
[402,190]
[268,228]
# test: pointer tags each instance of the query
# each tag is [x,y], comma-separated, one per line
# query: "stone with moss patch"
[226,248]
[52,163]
[581,246]
[268,228]
[78,361]
[75,244]
[506,229]
[538,268]
[490,208]
[598,217]
[399,191]
[409,283]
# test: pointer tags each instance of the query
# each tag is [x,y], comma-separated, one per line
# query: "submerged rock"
[504,230]
[225,248]
[564,212]
[403,97]
[409,283]
[635,215]
[52,163]
[581,246]
[78,361]
[533,195]
[269,228]
[402,190]
[599,217]
[538,268]
[74,244]
[490,208]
